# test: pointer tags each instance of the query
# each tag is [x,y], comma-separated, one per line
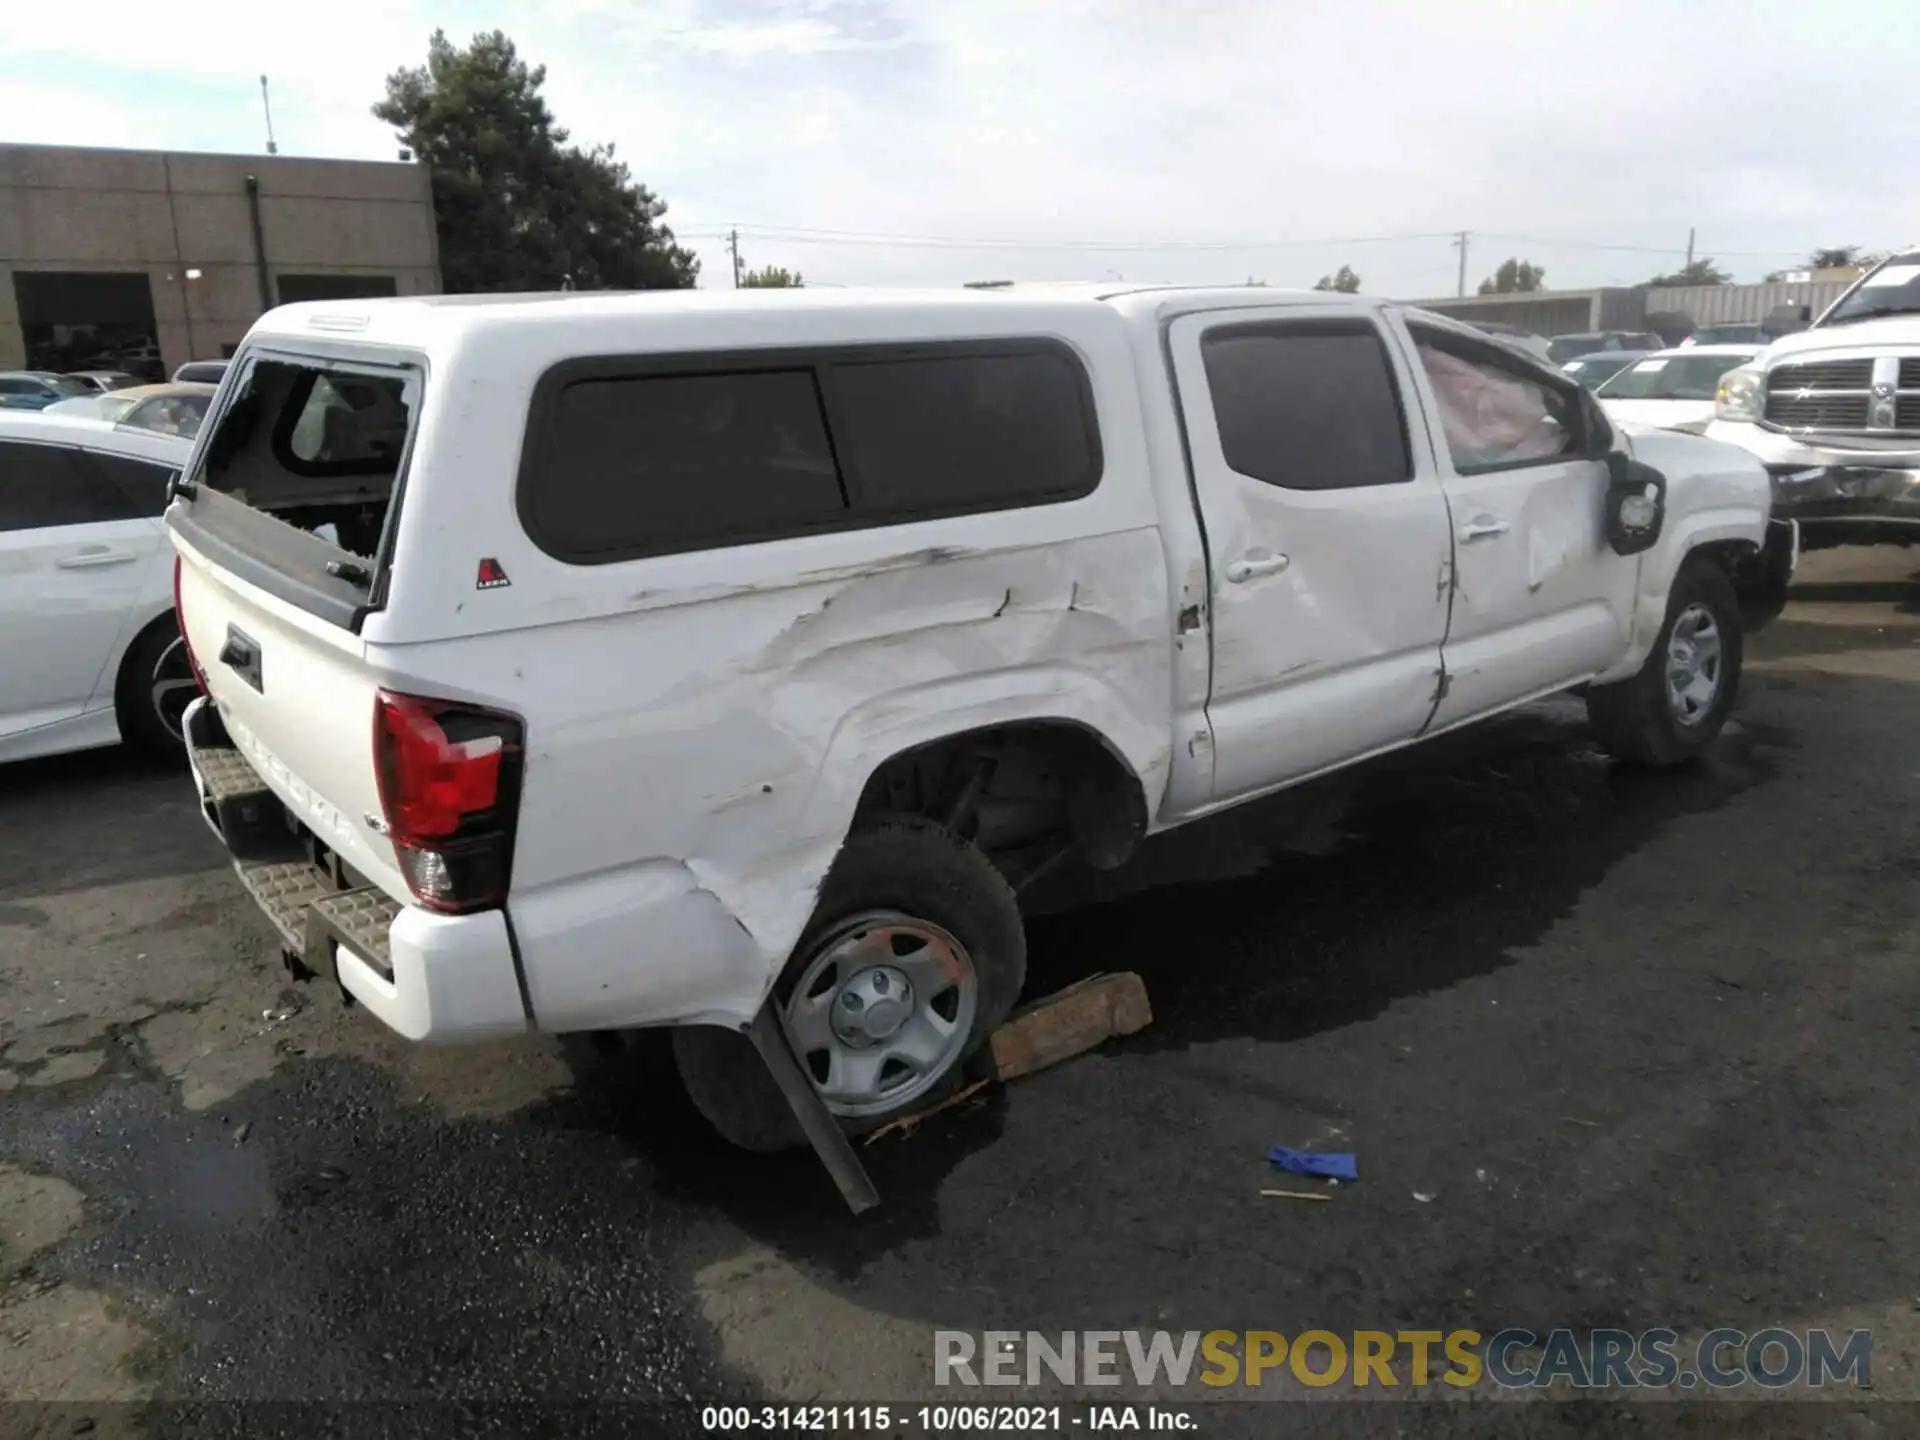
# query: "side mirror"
[1636,504]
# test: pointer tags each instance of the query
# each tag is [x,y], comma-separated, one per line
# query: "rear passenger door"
[1327,536]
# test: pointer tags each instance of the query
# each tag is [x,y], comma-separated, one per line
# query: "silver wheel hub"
[1693,665]
[172,687]
[872,1005]
[881,1011]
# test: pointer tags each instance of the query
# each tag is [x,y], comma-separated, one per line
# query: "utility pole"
[1689,247]
[1461,241]
[733,244]
[267,105]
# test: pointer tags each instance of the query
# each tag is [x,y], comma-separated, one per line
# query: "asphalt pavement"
[1611,1049]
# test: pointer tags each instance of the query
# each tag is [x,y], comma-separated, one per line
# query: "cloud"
[1245,132]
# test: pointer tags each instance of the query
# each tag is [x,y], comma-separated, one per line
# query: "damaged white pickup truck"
[728,661]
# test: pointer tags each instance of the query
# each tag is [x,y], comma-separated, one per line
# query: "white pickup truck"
[729,661]
[1834,413]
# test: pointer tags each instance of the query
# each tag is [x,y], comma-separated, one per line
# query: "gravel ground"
[1646,1044]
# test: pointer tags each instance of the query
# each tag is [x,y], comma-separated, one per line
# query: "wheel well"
[164,620]
[1019,792]
[1759,574]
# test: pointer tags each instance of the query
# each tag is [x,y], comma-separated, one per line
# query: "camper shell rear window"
[295,485]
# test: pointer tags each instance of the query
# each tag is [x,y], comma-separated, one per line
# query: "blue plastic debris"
[1301,1162]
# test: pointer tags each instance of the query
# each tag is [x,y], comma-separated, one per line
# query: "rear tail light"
[180,623]
[449,777]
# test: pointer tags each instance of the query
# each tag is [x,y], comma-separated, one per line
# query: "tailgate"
[298,699]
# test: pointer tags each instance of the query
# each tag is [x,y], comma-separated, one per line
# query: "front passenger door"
[1540,600]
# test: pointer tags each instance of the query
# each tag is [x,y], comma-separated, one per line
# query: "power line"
[1641,249]
[806,235]
[820,235]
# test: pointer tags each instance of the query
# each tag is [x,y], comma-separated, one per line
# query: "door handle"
[93,557]
[1483,527]
[1254,564]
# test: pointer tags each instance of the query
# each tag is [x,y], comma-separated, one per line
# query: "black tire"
[144,726]
[1635,718]
[902,863]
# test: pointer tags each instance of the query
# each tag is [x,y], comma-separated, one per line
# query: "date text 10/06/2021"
[948,1419]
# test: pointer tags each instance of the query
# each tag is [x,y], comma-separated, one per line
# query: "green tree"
[1834,257]
[1514,277]
[1701,272]
[516,205]
[771,277]
[1342,280]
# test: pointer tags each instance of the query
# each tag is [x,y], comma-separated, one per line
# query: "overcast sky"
[1196,141]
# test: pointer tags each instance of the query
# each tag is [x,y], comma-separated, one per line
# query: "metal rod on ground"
[829,1141]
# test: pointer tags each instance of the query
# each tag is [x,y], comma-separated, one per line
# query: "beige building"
[142,260]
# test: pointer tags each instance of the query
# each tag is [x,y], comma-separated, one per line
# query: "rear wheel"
[914,956]
[1673,708]
[155,687]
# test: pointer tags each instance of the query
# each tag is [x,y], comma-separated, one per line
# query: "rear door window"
[1307,405]
[45,486]
[142,483]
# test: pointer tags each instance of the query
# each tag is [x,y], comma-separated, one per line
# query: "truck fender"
[774,898]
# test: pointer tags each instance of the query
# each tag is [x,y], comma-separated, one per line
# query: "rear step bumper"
[440,978]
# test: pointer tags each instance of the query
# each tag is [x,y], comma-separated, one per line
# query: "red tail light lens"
[180,622]
[449,776]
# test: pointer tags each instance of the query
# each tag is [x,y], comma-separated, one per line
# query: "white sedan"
[1672,389]
[86,588]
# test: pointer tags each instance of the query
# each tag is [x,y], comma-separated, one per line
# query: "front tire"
[1669,712]
[152,693]
[914,956]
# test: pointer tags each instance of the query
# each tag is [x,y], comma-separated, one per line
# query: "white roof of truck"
[446,319]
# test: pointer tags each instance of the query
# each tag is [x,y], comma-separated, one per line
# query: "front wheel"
[914,956]
[1673,708]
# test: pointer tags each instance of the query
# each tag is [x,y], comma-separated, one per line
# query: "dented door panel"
[1328,605]
[1540,600]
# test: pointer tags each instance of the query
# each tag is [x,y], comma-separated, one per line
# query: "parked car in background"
[201,372]
[37,389]
[1562,348]
[977,583]
[91,651]
[1833,412]
[1593,369]
[105,381]
[168,409]
[1535,345]
[1742,333]
[1672,389]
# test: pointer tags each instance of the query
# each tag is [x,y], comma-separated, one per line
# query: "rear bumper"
[437,978]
